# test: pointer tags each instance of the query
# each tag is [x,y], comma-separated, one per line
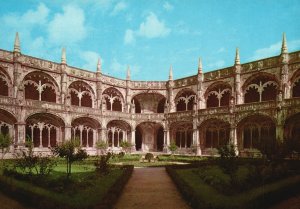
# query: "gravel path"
[9,203]
[150,188]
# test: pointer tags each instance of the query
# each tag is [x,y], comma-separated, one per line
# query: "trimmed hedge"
[37,197]
[254,198]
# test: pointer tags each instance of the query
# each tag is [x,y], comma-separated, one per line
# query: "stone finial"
[99,65]
[171,73]
[128,73]
[200,66]
[284,48]
[237,57]
[63,56]
[17,46]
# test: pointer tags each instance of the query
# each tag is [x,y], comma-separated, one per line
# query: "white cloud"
[167,6]
[274,49]
[216,64]
[119,7]
[183,29]
[152,27]
[67,27]
[129,36]
[90,59]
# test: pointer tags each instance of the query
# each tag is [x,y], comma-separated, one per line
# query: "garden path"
[150,188]
[9,203]
[291,203]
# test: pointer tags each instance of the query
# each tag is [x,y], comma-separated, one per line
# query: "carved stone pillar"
[68,133]
[20,138]
[133,140]
[233,138]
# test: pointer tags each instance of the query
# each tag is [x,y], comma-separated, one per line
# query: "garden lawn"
[202,195]
[84,189]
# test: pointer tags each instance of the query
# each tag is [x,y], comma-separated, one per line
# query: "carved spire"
[128,73]
[99,65]
[237,57]
[17,46]
[63,56]
[284,48]
[200,66]
[171,73]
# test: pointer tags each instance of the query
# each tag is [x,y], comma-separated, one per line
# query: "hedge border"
[265,200]
[35,199]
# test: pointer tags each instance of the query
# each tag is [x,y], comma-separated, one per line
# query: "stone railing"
[116,114]
[38,63]
[7,100]
[178,115]
[293,102]
[6,55]
[148,116]
[218,74]
[192,80]
[255,106]
[43,105]
[260,64]
[80,72]
[213,110]
[84,110]
[148,84]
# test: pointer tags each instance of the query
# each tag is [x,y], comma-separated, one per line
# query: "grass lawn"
[84,189]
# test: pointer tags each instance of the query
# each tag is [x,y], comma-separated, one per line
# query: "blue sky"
[150,35]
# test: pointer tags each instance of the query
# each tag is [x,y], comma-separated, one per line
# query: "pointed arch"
[81,94]
[5,83]
[185,99]
[113,99]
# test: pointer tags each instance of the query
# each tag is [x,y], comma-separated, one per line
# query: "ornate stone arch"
[85,128]
[44,129]
[185,99]
[40,86]
[254,128]
[213,132]
[81,94]
[294,84]
[145,102]
[260,87]
[218,94]
[5,83]
[118,131]
[113,99]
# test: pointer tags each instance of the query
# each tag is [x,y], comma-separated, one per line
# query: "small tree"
[102,146]
[71,151]
[173,147]
[5,142]
[228,159]
[126,146]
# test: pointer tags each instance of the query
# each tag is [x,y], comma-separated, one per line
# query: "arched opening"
[7,121]
[260,87]
[138,139]
[255,130]
[296,88]
[113,99]
[218,95]
[182,135]
[214,133]
[151,136]
[292,132]
[161,106]
[85,129]
[137,105]
[81,94]
[160,139]
[40,86]
[3,87]
[117,132]
[185,100]
[212,101]
[44,129]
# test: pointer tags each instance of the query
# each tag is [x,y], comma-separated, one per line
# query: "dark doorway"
[160,139]
[138,139]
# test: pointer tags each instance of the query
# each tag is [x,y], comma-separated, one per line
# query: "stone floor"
[150,188]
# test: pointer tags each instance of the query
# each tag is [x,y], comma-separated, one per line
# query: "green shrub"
[149,157]
[173,147]
[102,165]
[126,146]
[102,146]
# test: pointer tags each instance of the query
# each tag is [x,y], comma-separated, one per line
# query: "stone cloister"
[49,102]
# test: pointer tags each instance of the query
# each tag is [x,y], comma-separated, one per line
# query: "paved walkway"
[150,188]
